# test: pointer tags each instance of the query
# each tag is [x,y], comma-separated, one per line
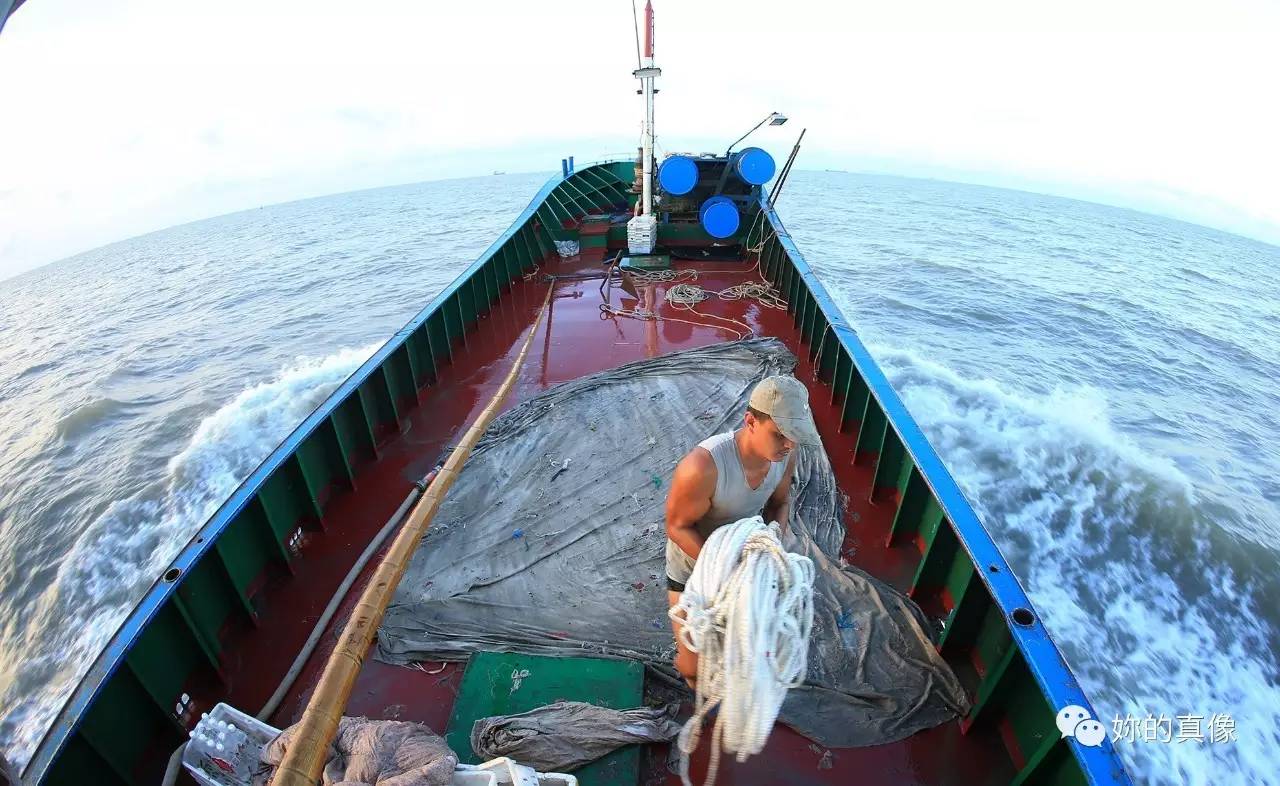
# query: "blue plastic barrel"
[678,175]
[719,216]
[753,165]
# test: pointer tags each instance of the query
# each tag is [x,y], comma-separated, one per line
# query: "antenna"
[642,230]
[646,74]
[635,28]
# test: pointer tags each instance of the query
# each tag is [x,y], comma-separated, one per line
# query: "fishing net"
[563,736]
[372,753]
[551,542]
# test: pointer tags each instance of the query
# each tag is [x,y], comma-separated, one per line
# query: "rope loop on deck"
[686,296]
[760,291]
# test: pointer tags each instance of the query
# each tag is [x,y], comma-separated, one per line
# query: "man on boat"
[732,476]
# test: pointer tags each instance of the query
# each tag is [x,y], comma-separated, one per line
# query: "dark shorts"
[679,567]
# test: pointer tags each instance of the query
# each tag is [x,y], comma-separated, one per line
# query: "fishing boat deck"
[577,339]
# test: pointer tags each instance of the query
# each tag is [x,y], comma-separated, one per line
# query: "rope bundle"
[759,291]
[609,310]
[686,295]
[747,611]
[661,276]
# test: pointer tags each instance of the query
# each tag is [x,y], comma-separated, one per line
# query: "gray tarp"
[527,554]
[562,737]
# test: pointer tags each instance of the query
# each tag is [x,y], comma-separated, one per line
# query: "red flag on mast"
[648,28]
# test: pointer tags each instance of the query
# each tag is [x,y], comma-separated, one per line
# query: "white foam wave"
[1113,547]
[125,548]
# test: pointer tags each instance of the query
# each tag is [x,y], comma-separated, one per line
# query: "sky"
[120,118]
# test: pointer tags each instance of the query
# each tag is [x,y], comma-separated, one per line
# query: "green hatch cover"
[646,262]
[496,683]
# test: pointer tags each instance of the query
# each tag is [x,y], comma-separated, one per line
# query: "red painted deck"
[575,341]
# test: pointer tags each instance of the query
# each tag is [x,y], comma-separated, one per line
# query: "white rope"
[739,329]
[661,276]
[609,310]
[760,291]
[747,611]
[686,295]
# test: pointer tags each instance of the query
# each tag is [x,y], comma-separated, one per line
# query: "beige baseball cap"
[786,400]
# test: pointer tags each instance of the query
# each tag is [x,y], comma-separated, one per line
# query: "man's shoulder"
[699,458]
[697,465]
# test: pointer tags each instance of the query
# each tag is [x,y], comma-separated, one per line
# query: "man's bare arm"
[778,508]
[692,485]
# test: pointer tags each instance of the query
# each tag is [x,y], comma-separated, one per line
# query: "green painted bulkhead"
[128,705]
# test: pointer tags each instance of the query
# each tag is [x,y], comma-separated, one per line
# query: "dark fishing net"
[551,542]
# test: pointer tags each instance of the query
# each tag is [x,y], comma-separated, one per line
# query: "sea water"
[1101,382]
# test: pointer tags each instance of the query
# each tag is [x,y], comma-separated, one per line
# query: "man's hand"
[692,485]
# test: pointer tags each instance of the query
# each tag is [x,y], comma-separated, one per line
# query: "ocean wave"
[125,548]
[87,417]
[1150,608]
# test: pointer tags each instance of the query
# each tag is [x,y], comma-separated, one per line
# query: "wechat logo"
[1075,721]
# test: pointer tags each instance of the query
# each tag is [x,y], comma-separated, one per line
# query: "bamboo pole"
[305,758]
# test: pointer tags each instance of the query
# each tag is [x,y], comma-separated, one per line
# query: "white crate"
[242,736]
[642,234]
[505,772]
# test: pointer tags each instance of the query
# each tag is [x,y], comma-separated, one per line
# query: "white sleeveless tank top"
[733,498]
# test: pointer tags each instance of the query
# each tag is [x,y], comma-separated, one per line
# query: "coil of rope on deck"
[747,611]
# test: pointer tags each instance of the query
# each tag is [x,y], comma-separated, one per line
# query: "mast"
[648,108]
[646,75]
[642,229]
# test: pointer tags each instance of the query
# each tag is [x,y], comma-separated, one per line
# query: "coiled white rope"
[686,295]
[683,295]
[662,276]
[609,310]
[760,291]
[747,611]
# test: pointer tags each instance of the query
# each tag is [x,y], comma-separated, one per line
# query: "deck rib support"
[892,465]
[531,245]
[971,602]
[207,648]
[109,765]
[467,306]
[386,398]
[855,403]
[992,688]
[871,434]
[555,220]
[911,511]
[568,186]
[438,339]
[828,355]
[839,382]
[309,495]
[366,416]
[571,217]
[241,596]
[1052,749]
[453,320]
[420,357]
[274,535]
[579,208]
[940,549]
[344,454]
